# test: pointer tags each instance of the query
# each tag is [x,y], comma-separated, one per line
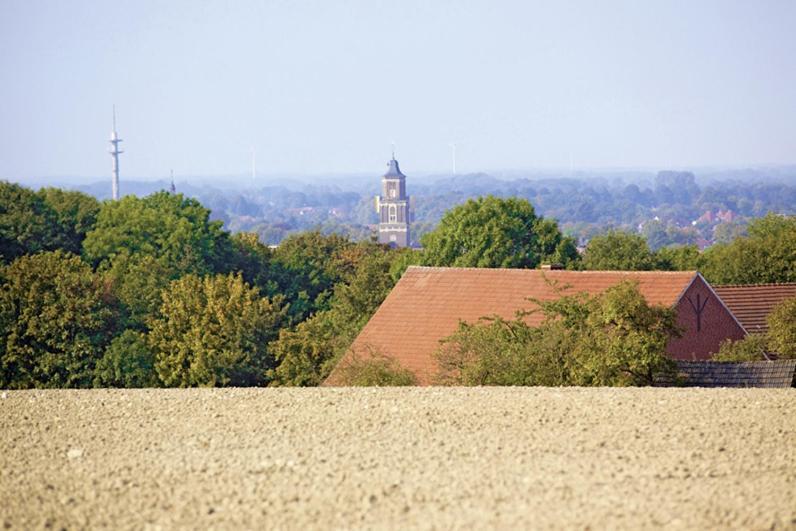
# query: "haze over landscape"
[323,88]
[220,308]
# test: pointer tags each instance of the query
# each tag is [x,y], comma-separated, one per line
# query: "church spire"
[393,206]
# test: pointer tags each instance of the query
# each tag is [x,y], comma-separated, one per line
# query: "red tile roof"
[751,304]
[427,304]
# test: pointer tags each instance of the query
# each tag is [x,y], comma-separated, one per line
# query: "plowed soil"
[398,458]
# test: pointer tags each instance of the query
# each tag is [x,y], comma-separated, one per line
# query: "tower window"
[392,192]
[393,214]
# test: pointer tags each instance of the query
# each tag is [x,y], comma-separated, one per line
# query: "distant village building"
[393,207]
[427,304]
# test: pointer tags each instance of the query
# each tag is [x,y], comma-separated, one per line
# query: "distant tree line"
[153,292]
[667,208]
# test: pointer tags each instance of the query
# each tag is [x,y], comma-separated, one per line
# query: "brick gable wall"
[705,321]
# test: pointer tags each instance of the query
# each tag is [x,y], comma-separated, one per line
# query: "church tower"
[393,207]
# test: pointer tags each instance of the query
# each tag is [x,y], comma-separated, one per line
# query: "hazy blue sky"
[326,86]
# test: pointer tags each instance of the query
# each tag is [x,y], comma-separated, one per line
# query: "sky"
[321,88]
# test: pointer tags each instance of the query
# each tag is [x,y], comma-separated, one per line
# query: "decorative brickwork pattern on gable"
[427,304]
[752,304]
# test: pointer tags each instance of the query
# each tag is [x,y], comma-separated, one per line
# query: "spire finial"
[393,150]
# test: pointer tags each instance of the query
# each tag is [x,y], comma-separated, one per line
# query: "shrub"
[375,370]
[128,362]
[782,329]
[612,339]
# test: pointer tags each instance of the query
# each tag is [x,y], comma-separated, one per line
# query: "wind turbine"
[453,155]
[254,166]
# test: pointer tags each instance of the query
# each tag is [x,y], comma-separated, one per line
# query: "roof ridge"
[761,284]
[657,272]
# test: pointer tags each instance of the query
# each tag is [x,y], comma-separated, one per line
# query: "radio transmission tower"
[115,152]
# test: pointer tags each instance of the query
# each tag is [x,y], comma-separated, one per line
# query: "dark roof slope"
[393,169]
[427,304]
[751,304]
[777,373]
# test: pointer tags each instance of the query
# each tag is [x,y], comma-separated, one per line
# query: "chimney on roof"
[552,267]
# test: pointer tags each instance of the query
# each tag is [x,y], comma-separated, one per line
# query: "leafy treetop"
[495,232]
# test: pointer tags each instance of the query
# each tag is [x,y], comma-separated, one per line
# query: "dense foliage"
[778,341]
[163,296]
[374,370]
[55,320]
[619,251]
[308,353]
[767,254]
[45,221]
[494,232]
[213,331]
[612,339]
[151,292]
[172,229]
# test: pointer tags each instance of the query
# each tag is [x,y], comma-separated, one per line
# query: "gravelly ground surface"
[397,458]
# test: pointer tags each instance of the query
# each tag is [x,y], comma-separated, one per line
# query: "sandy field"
[398,458]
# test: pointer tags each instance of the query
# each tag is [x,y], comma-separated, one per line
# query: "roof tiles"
[427,304]
[751,304]
[778,373]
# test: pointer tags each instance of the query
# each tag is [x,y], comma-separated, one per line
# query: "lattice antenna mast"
[115,152]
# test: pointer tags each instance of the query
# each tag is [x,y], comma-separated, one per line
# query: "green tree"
[253,260]
[494,232]
[556,248]
[172,229]
[778,341]
[138,279]
[625,339]
[782,329]
[56,320]
[137,282]
[727,232]
[307,353]
[612,339]
[751,348]
[75,215]
[766,255]
[618,251]
[497,351]
[677,258]
[27,223]
[402,259]
[127,362]
[306,267]
[213,331]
